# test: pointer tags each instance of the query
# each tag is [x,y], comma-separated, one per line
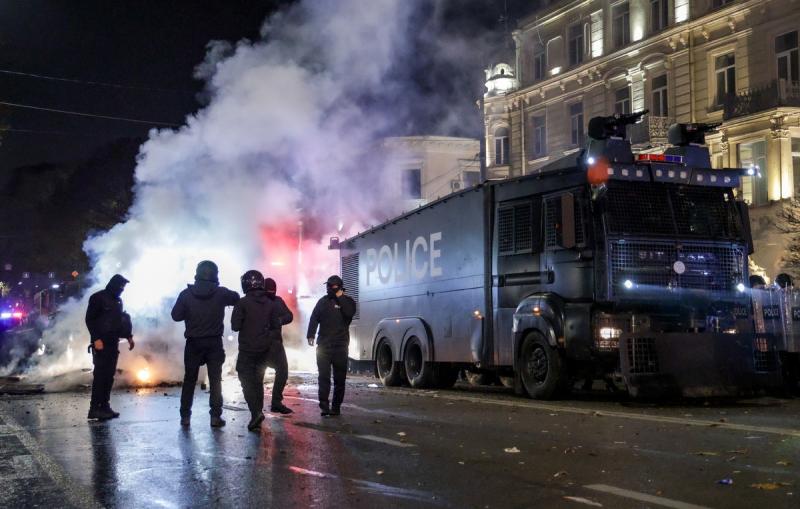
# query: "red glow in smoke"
[281,246]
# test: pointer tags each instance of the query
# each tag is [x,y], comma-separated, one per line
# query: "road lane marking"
[661,419]
[75,492]
[374,487]
[385,440]
[582,500]
[643,497]
[373,438]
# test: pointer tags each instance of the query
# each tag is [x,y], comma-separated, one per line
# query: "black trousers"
[105,365]
[332,357]
[251,367]
[199,351]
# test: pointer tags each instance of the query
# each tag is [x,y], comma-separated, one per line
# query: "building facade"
[424,168]
[733,62]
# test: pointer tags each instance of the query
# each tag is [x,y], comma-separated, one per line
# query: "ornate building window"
[501,146]
[725,75]
[754,156]
[659,106]
[621,24]
[659,15]
[575,44]
[787,54]
[576,123]
[622,100]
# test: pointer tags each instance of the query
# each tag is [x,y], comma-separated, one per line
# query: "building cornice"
[675,37]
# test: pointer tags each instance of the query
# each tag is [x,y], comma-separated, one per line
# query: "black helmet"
[757,281]
[207,271]
[784,280]
[252,280]
[335,281]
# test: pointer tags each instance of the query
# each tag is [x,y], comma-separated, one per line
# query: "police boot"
[217,422]
[335,411]
[280,408]
[110,410]
[325,409]
[186,421]
[255,423]
[100,414]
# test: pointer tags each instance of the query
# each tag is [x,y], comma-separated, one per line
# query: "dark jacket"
[202,306]
[285,316]
[333,316]
[105,318]
[256,318]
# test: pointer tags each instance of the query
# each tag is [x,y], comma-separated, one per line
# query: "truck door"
[566,254]
[518,271]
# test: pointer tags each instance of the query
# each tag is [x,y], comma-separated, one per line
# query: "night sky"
[153,47]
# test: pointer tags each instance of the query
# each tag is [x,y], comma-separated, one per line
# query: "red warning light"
[598,172]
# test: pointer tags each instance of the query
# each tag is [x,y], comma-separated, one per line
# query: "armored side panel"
[428,264]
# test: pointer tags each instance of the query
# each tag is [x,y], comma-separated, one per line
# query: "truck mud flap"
[698,365]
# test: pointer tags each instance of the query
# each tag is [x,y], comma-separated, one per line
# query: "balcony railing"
[650,130]
[765,97]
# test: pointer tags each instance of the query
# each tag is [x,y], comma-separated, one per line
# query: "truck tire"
[446,376]
[420,373]
[390,372]
[541,368]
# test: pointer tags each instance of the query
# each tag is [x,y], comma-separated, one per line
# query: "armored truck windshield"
[657,209]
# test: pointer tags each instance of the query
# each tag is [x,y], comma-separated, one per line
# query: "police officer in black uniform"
[107,323]
[277,354]
[255,318]
[202,307]
[332,316]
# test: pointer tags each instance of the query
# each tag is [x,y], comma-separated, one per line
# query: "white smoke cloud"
[284,137]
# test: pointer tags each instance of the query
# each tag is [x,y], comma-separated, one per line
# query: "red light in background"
[17,314]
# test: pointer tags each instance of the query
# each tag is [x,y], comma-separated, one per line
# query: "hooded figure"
[201,307]
[107,323]
[330,323]
[256,317]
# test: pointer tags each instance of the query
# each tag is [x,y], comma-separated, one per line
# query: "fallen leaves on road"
[767,486]
[783,463]
[511,450]
[560,473]
[727,481]
[379,472]
[401,433]
[706,453]
[738,451]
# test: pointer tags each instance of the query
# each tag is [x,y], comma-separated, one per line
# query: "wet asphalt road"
[465,447]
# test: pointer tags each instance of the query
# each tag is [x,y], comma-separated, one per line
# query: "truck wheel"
[420,373]
[541,367]
[389,372]
[446,376]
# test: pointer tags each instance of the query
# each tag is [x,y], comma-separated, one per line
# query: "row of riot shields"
[776,311]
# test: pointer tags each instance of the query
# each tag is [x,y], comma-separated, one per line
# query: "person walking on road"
[107,323]
[201,307]
[332,316]
[254,317]
[277,353]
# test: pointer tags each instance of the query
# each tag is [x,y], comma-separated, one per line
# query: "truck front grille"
[642,356]
[651,265]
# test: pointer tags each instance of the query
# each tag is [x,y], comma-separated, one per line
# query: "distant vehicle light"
[590,160]
[628,284]
[751,171]
[730,331]
[740,287]
[5,315]
[55,287]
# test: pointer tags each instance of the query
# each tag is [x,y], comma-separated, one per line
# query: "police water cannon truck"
[601,266]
